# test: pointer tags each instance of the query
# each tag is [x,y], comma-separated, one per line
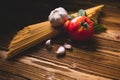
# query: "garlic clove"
[61,50]
[48,44]
[67,46]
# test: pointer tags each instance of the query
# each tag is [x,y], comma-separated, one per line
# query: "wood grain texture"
[42,70]
[98,59]
[5,75]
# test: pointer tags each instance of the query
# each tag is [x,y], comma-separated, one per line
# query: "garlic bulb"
[58,16]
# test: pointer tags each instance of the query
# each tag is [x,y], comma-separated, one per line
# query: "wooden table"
[97,60]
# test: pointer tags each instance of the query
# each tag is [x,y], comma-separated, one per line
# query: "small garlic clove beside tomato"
[58,16]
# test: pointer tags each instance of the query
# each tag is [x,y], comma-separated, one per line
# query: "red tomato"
[81,28]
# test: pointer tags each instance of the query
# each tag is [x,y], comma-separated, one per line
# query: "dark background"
[15,14]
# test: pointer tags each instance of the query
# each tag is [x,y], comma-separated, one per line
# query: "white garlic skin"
[67,46]
[61,50]
[48,44]
[58,16]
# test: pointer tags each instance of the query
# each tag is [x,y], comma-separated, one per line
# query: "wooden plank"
[8,76]
[32,68]
[99,62]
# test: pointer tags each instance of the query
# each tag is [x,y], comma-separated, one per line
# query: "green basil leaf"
[70,16]
[81,12]
[93,20]
[99,28]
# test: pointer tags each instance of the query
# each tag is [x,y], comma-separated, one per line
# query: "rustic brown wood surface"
[98,59]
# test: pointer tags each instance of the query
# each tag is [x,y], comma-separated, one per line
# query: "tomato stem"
[84,25]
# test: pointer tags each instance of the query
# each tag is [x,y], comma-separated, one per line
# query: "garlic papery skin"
[48,44]
[58,16]
[67,46]
[61,50]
